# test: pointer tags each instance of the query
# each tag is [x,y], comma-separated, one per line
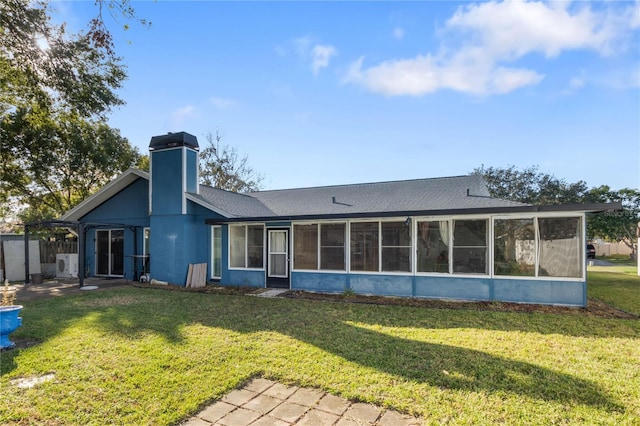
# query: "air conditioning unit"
[66,265]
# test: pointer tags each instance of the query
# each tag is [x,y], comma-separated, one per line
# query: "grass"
[147,356]
[617,285]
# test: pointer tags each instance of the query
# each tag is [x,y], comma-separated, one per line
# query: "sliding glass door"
[110,252]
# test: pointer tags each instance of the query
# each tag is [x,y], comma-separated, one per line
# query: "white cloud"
[321,56]
[576,83]
[307,49]
[222,103]
[398,33]
[482,42]
[182,115]
[426,74]
[515,28]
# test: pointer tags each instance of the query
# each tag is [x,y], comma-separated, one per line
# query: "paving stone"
[367,412]
[333,404]
[216,411]
[288,411]
[393,418]
[239,396]
[239,417]
[306,396]
[194,421]
[317,418]
[262,404]
[280,391]
[350,422]
[270,421]
[259,385]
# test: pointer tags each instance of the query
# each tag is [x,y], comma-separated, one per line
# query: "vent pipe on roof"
[334,201]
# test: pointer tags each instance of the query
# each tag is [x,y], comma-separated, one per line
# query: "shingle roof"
[449,193]
[233,204]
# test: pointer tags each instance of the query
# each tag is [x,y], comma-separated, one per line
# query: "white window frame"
[319,246]
[490,247]
[213,251]
[535,217]
[414,240]
[246,247]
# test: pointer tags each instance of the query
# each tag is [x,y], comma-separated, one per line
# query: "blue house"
[430,238]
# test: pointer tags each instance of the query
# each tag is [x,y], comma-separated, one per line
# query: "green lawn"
[146,356]
[617,285]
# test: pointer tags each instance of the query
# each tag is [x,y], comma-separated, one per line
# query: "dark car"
[591,251]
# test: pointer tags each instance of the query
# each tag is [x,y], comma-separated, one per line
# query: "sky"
[329,93]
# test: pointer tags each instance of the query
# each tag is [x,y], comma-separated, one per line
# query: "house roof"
[235,204]
[459,192]
[419,196]
[433,196]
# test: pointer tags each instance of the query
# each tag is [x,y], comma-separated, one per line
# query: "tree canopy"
[56,89]
[531,186]
[222,167]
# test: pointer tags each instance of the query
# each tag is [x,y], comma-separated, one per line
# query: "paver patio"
[268,403]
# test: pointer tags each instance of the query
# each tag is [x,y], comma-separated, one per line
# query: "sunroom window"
[332,256]
[560,247]
[542,247]
[396,246]
[514,247]
[470,246]
[246,246]
[364,246]
[319,246]
[433,246]
[305,246]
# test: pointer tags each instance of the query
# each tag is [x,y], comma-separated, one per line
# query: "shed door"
[278,258]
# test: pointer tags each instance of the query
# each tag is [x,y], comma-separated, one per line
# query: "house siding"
[570,293]
[129,207]
[321,282]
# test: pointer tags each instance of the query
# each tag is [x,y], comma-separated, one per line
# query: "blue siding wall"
[572,293]
[166,176]
[244,278]
[178,238]
[192,171]
[128,207]
[318,281]
[387,285]
[476,288]
[544,292]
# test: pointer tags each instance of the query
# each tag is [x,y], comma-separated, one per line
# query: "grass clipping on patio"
[146,356]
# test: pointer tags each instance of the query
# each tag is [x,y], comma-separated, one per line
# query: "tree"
[61,161]
[531,186]
[222,167]
[43,67]
[616,226]
[55,91]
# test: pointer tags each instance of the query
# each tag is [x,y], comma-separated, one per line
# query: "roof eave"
[580,208]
